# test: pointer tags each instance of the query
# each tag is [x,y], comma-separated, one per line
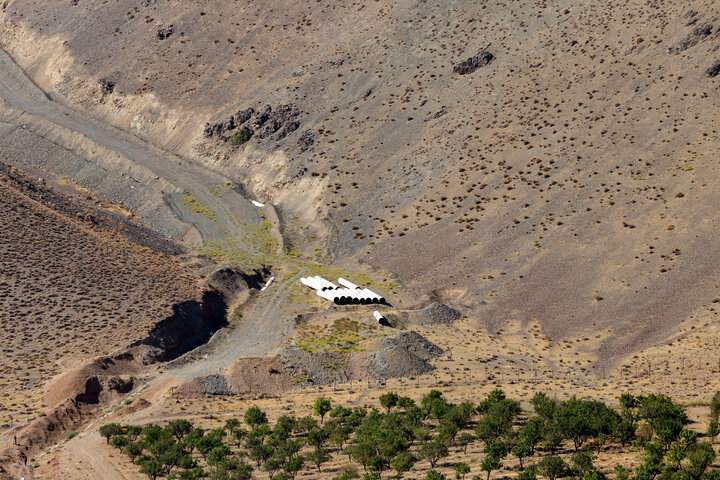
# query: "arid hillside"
[569,177]
[72,287]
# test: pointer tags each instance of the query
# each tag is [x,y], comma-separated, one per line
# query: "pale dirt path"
[18,92]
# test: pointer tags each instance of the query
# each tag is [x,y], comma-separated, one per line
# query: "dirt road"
[197,196]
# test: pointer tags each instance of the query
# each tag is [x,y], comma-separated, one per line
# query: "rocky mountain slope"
[566,172]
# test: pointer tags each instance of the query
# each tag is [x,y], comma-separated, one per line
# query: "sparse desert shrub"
[241,136]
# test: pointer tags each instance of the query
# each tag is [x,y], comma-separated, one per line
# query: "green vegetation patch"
[197,206]
[344,336]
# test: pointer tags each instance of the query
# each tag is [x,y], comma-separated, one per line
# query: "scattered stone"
[306,140]
[106,86]
[698,35]
[164,32]
[714,70]
[473,63]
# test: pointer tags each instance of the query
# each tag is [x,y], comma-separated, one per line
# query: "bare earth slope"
[69,290]
[572,181]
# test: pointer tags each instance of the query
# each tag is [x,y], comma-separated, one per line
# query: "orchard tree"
[110,430]
[433,452]
[254,417]
[321,407]
[552,467]
[402,463]
[490,463]
[461,469]
[389,400]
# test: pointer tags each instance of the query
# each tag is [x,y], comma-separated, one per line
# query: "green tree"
[171,457]
[490,463]
[232,424]
[340,413]
[531,432]
[622,473]
[552,467]
[120,441]
[206,443]
[377,464]
[294,465]
[405,403]
[664,417]
[260,453]
[134,450]
[321,407]
[461,469]
[255,417]
[521,451]
[624,431]
[402,463]
[529,473]
[179,428]
[465,439]
[110,430]
[434,475]
[582,463]
[715,406]
[713,430]
[218,455]
[318,457]
[241,136]
[389,400]
[362,453]
[151,467]
[434,404]
[433,452]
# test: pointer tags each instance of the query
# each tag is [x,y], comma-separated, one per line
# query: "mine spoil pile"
[69,290]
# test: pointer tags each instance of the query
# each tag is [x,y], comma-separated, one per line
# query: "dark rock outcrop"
[266,122]
[164,32]
[698,35]
[714,70]
[106,86]
[473,63]
[306,140]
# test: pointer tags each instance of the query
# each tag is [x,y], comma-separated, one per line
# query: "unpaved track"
[19,93]
[261,331]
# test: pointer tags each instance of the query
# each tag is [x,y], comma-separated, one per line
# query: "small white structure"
[351,294]
[267,284]
[378,316]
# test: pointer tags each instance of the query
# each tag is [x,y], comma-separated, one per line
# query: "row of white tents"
[349,293]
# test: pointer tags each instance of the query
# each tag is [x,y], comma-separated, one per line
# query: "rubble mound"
[401,355]
[318,368]
[433,314]
[264,375]
[216,384]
